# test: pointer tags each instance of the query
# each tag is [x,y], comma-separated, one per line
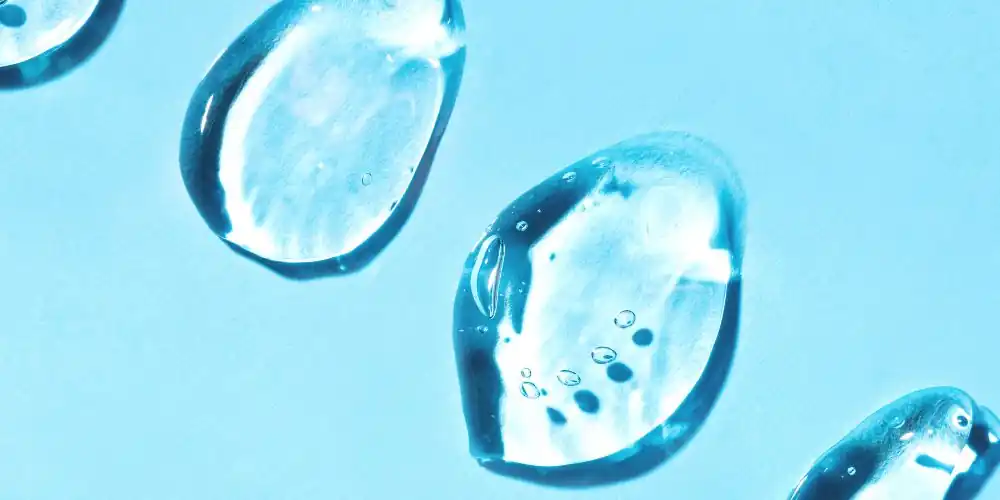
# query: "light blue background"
[141,360]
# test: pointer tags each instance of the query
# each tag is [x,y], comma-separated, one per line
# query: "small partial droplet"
[568,378]
[904,449]
[625,319]
[530,390]
[43,40]
[310,98]
[526,372]
[521,226]
[603,355]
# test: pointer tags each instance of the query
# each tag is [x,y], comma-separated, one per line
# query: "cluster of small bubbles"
[603,355]
[526,372]
[530,390]
[521,226]
[625,319]
[366,180]
[568,378]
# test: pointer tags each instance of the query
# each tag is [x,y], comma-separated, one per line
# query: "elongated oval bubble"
[308,142]
[41,40]
[932,444]
[620,290]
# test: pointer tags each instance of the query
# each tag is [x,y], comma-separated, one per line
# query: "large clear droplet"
[309,141]
[652,226]
[933,444]
[41,40]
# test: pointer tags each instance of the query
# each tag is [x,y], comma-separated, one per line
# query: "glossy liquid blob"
[41,40]
[308,142]
[617,281]
[933,444]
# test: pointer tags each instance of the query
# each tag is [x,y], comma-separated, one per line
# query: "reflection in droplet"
[603,355]
[530,390]
[663,233]
[625,319]
[919,446]
[311,97]
[568,378]
[43,40]
[486,273]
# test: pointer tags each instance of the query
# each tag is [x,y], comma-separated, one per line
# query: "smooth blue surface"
[141,360]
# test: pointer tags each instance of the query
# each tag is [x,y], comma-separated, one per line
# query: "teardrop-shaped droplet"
[309,141]
[929,444]
[41,40]
[530,390]
[625,319]
[655,222]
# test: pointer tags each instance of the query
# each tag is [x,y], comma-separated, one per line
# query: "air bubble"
[530,390]
[568,378]
[625,319]
[603,355]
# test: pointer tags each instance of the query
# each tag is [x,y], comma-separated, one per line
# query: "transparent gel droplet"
[41,40]
[933,444]
[308,142]
[654,222]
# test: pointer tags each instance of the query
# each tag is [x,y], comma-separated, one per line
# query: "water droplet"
[569,176]
[526,372]
[41,41]
[603,355]
[366,180]
[521,226]
[487,269]
[663,228]
[642,337]
[625,319]
[482,328]
[311,97]
[530,390]
[910,448]
[568,378]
